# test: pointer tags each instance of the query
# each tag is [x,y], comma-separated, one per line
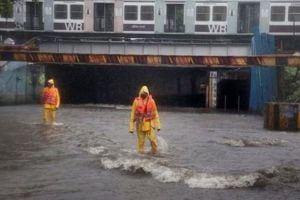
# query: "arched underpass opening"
[170,86]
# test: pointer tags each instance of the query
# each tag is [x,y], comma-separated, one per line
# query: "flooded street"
[89,154]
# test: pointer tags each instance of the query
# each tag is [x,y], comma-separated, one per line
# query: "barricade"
[282,116]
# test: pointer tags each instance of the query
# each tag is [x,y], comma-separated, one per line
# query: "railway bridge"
[191,71]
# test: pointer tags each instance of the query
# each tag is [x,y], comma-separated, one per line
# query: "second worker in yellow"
[144,119]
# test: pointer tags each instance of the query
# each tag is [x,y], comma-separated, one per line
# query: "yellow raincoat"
[145,126]
[51,102]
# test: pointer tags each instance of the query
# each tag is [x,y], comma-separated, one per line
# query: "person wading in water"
[145,118]
[51,102]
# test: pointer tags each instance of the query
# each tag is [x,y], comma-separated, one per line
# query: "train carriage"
[279,17]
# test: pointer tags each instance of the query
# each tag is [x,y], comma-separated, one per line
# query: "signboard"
[213,77]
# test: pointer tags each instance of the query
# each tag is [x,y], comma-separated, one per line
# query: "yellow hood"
[144,89]
[51,81]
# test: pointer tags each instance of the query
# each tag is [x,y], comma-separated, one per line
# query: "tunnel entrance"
[234,90]
[82,84]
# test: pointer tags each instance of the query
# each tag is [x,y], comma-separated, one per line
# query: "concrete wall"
[20,83]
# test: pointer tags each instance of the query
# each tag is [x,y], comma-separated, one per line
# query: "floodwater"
[89,154]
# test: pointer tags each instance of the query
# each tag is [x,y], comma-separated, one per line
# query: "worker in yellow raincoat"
[51,102]
[145,119]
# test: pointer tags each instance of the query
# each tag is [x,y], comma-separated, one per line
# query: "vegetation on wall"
[290,84]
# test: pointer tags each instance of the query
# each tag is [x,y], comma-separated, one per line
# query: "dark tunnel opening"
[82,84]
[233,94]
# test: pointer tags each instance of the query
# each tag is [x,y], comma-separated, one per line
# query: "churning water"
[89,154]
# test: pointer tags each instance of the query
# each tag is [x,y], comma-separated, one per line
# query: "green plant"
[290,84]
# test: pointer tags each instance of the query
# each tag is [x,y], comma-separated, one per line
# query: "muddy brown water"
[89,154]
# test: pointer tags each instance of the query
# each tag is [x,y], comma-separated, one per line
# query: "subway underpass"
[90,153]
[170,86]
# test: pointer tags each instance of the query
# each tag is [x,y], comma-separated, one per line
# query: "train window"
[131,12]
[294,13]
[219,13]
[7,11]
[277,13]
[76,12]
[147,13]
[202,13]
[60,11]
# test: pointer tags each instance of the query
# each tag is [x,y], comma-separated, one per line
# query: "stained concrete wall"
[20,82]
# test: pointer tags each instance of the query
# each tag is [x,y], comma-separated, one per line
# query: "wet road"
[91,155]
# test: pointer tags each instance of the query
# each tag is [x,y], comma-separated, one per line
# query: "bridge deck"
[150,60]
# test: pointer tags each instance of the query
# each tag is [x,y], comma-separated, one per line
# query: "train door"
[248,17]
[34,16]
[174,21]
[104,17]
